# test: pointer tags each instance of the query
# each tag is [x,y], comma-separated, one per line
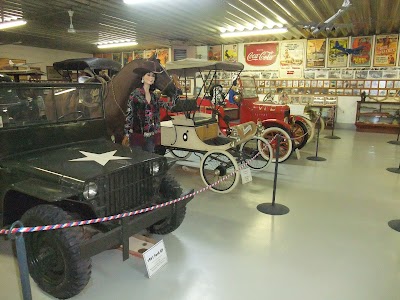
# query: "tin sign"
[261,54]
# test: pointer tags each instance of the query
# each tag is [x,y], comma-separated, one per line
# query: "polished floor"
[334,244]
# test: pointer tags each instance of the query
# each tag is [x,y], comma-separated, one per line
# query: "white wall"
[347,105]
[40,56]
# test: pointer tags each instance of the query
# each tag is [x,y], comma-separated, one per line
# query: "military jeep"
[57,164]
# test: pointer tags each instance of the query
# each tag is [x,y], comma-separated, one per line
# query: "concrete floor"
[334,244]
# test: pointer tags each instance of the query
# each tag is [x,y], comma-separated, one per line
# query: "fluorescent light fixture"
[64,91]
[253,32]
[116,45]
[135,1]
[10,24]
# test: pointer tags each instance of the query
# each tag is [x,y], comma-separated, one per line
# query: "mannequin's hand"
[125,141]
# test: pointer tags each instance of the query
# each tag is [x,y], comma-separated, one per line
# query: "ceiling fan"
[71,28]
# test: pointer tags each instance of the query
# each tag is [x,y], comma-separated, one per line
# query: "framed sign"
[231,53]
[386,50]
[214,53]
[261,54]
[337,58]
[361,57]
[316,53]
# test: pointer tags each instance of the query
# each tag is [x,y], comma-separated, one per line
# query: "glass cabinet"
[378,116]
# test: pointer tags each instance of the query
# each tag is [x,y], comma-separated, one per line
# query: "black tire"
[160,150]
[251,148]
[54,258]
[181,154]
[169,190]
[300,134]
[214,166]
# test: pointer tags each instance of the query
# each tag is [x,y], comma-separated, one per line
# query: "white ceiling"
[165,23]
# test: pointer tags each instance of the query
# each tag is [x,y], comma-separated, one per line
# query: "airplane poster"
[337,58]
[316,53]
[386,50]
[362,58]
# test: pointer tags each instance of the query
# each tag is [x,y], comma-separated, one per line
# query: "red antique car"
[246,107]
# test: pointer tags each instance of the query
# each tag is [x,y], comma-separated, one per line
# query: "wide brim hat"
[142,71]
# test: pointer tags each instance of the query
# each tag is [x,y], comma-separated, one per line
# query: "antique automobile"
[186,130]
[276,119]
[59,165]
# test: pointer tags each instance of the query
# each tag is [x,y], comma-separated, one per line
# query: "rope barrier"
[135,212]
[126,214]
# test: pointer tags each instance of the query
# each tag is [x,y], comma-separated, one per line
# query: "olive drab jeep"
[57,164]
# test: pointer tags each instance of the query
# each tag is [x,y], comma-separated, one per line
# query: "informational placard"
[155,258]
[246,175]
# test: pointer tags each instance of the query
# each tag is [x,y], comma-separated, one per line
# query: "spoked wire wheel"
[259,147]
[214,166]
[286,144]
[300,134]
[182,154]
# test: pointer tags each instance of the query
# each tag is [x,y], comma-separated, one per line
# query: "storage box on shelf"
[381,117]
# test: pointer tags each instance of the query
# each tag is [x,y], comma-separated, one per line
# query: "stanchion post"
[394,170]
[332,136]
[22,260]
[274,208]
[316,157]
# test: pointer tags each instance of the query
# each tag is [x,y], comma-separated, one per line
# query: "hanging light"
[11,24]
[116,44]
[254,32]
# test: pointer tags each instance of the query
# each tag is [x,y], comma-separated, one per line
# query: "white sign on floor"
[155,258]
[246,175]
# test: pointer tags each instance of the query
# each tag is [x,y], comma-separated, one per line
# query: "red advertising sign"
[261,54]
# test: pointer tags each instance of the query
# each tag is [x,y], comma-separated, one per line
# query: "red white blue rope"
[126,214]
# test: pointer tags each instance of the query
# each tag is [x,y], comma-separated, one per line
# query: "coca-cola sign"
[261,54]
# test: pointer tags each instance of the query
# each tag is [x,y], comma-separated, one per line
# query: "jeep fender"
[44,190]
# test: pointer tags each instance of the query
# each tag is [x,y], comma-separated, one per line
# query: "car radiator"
[128,188]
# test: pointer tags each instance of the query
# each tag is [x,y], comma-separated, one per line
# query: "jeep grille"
[128,188]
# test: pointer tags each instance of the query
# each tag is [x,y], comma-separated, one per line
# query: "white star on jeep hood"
[101,159]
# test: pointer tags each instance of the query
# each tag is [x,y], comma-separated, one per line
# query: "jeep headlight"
[155,168]
[90,190]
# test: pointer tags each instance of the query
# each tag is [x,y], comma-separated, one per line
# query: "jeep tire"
[54,259]
[169,190]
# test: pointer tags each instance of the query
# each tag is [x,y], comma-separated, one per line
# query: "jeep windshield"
[27,104]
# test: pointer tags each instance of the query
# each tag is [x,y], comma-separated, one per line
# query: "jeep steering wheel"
[79,114]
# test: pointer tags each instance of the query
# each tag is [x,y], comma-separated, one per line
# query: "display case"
[378,116]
